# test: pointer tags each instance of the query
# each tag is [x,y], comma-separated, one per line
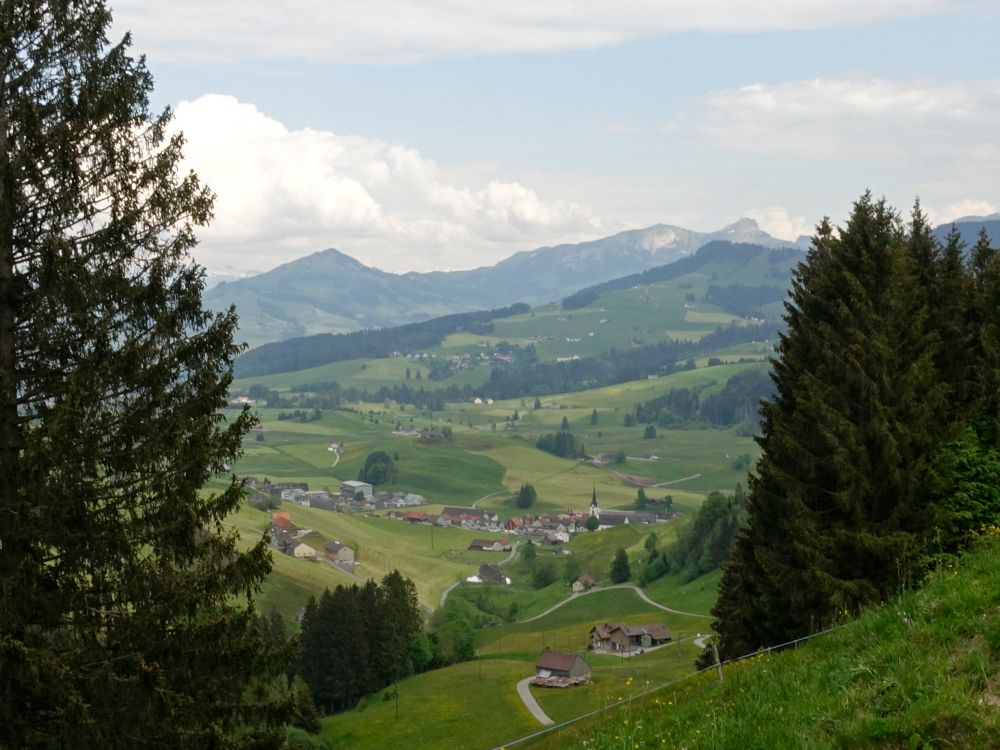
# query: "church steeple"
[594,508]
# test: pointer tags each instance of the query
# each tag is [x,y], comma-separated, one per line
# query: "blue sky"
[429,135]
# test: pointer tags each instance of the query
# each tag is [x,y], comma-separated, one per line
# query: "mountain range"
[330,292]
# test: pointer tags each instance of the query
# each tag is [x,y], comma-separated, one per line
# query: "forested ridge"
[322,348]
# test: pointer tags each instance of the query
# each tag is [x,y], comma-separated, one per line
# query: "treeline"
[356,640]
[615,366]
[880,447]
[526,377]
[561,444]
[312,351]
[702,545]
[781,259]
[745,301]
[736,403]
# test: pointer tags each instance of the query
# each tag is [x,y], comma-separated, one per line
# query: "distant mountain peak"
[744,224]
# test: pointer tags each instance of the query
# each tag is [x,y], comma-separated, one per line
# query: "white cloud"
[282,193]
[923,123]
[777,222]
[394,31]
[958,210]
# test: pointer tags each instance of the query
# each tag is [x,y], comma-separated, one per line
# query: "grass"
[382,546]
[470,705]
[922,671]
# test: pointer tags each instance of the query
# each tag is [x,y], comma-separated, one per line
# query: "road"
[524,691]
[513,551]
[639,592]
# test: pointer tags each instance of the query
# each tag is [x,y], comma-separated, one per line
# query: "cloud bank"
[403,31]
[283,193]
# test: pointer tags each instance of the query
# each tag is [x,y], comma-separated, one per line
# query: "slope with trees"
[884,414]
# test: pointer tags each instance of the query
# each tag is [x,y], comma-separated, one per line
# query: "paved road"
[524,691]
[444,594]
[639,592]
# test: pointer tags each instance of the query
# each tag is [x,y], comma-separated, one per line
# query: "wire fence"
[624,701]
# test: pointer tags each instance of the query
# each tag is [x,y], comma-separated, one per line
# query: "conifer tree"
[119,587]
[844,492]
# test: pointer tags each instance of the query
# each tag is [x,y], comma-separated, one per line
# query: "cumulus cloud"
[868,120]
[777,222]
[282,193]
[399,31]
[959,209]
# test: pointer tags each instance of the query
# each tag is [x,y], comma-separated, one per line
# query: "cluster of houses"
[619,638]
[562,669]
[473,519]
[547,529]
[354,496]
[287,538]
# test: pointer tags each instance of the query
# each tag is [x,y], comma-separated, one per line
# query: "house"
[618,637]
[490,573]
[300,549]
[560,669]
[584,583]
[415,516]
[350,489]
[490,545]
[338,552]
[292,495]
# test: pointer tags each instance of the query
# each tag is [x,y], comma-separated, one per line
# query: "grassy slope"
[923,671]
[470,705]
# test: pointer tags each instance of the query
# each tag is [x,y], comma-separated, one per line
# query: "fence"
[617,704]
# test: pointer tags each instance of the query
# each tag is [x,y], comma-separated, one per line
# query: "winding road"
[513,551]
[639,592]
[524,691]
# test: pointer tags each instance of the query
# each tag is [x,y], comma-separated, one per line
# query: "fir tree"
[123,599]
[621,571]
[844,491]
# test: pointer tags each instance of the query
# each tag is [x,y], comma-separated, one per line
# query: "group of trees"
[880,443]
[356,640]
[561,444]
[378,468]
[736,403]
[703,544]
[526,496]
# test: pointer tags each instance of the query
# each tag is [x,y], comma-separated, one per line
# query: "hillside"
[921,671]
[330,292]
[718,285]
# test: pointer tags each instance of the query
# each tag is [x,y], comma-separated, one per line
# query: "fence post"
[718,664]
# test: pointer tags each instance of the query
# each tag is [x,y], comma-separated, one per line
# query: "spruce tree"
[123,600]
[844,492]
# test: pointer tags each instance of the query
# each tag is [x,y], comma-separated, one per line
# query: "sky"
[448,134]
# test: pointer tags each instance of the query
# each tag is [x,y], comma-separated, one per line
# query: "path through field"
[639,592]
[524,691]
[513,551]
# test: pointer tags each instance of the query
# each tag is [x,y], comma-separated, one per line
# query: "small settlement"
[619,638]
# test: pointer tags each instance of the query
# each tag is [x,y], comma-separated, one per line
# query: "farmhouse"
[560,669]
[618,637]
[350,488]
[338,552]
[583,583]
[490,545]
[489,573]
